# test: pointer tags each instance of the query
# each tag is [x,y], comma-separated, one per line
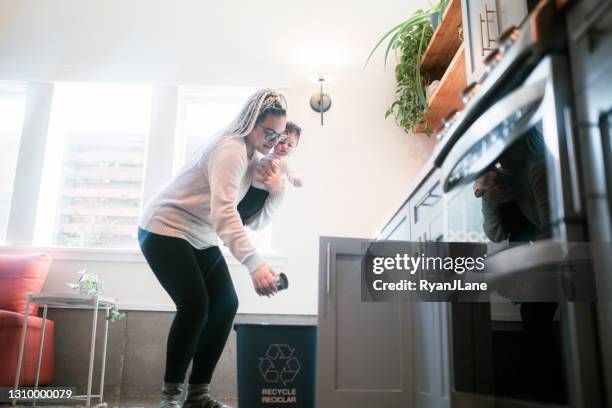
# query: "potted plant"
[410,39]
[90,284]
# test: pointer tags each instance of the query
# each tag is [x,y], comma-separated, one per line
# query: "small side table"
[76,301]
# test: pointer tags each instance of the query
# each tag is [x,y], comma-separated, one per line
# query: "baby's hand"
[263,169]
[271,176]
[269,167]
[258,175]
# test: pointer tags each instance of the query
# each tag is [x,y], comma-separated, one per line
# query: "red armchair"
[20,274]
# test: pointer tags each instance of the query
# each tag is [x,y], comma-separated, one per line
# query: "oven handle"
[489,120]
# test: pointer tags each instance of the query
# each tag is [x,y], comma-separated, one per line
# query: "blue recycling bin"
[276,365]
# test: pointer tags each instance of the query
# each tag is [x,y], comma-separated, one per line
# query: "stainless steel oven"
[512,170]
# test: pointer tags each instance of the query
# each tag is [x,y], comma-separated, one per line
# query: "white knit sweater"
[200,203]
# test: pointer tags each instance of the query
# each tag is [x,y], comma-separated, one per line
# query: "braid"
[255,110]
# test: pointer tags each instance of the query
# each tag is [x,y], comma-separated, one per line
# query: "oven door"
[512,181]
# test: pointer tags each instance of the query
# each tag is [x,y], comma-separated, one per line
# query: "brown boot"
[198,396]
[172,395]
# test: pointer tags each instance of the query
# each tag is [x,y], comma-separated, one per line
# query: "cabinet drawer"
[590,42]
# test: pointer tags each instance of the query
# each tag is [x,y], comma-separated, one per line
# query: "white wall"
[357,168]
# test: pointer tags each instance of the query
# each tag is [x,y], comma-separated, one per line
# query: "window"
[12,108]
[203,113]
[93,172]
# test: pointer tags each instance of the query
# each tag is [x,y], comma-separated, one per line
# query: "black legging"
[199,283]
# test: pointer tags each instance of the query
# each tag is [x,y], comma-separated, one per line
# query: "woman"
[178,237]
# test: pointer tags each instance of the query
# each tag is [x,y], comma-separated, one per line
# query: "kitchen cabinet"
[363,349]
[483,22]
[431,354]
[430,319]
[398,229]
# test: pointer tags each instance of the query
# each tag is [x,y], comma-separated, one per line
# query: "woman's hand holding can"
[264,281]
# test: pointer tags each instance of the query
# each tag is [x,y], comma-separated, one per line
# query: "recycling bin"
[276,365]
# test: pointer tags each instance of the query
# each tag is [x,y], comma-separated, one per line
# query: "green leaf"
[114,314]
[415,20]
[409,41]
[390,32]
[392,42]
[419,81]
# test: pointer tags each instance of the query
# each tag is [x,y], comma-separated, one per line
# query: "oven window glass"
[509,202]
[508,350]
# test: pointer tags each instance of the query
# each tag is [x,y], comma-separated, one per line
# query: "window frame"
[19,90]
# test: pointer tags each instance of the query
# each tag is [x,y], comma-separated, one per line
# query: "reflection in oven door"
[507,350]
[510,182]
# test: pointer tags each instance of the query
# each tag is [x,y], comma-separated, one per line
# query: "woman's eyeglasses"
[273,136]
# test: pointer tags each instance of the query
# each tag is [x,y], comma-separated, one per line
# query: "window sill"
[115,255]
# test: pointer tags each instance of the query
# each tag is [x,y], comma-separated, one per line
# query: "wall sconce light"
[320,102]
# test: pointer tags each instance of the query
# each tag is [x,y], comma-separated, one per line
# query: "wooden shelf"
[444,43]
[447,96]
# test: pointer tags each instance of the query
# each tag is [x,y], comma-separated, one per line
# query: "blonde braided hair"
[257,107]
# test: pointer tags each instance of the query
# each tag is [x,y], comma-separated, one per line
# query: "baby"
[281,152]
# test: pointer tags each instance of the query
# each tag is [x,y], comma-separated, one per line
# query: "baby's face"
[287,146]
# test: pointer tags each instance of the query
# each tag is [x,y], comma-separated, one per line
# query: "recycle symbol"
[279,364]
